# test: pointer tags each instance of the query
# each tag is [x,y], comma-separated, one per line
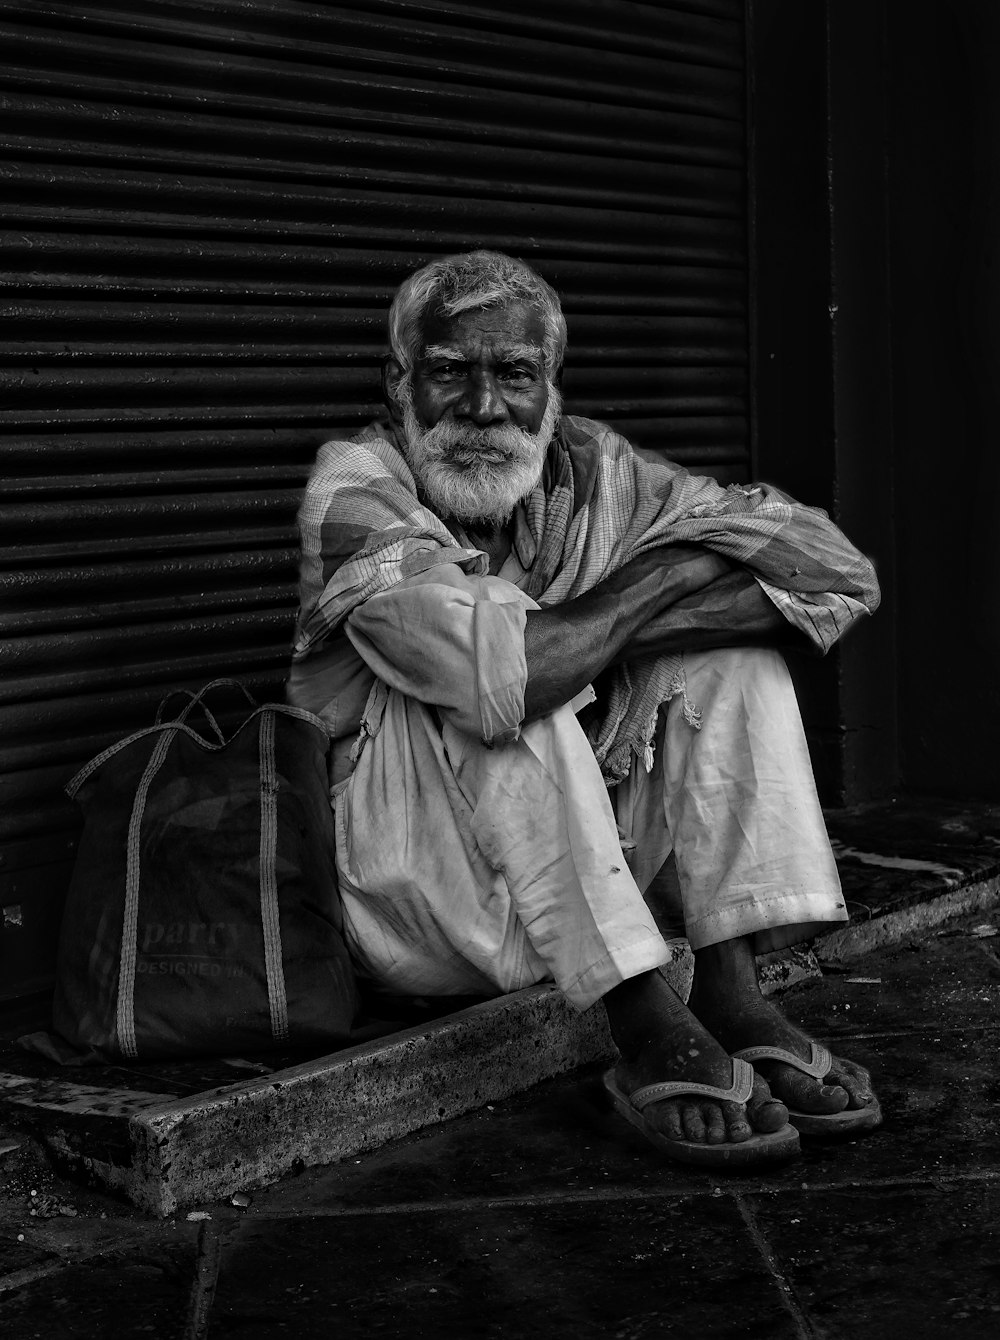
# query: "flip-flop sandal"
[774,1147]
[852,1121]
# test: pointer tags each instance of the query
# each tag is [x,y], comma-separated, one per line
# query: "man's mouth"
[477,456]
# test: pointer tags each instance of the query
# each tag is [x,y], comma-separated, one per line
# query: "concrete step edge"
[858,938]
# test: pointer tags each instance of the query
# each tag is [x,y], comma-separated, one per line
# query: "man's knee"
[732,685]
[549,743]
[763,666]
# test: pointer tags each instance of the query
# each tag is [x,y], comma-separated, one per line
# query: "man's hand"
[570,644]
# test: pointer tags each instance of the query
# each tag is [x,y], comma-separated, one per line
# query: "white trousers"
[466,870]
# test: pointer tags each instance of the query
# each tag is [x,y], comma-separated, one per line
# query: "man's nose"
[482,401]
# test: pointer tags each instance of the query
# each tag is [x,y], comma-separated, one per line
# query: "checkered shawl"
[597,506]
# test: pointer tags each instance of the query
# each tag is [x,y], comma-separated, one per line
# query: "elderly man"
[506,612]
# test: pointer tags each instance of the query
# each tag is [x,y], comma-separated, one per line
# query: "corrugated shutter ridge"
[206,208]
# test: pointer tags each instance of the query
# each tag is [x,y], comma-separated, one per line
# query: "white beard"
[476,474]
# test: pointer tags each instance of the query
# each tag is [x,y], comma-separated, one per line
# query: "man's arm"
[675,599]
[629,614]
[731,611]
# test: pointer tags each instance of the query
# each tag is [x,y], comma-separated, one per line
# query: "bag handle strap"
[165,727]
[224,683]
[128,956]
[186,711]
[198,700]
[268,867]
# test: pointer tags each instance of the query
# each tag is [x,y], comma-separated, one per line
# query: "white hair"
[473,280]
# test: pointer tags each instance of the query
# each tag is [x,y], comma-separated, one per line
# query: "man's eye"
[448,371]
[517,376]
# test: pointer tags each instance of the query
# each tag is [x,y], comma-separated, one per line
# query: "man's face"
[482,367]
[479,411]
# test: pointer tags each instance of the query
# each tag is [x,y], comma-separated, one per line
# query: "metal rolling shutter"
[206,207]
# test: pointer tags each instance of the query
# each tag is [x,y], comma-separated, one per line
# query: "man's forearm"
[570,644]
[731,611]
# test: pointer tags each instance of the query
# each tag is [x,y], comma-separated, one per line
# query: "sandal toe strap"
[817,1067]
[738,1092]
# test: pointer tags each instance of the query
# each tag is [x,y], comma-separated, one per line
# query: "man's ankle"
[642,1008]
[725,975]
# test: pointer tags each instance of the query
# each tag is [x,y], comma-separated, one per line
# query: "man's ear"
[392,375]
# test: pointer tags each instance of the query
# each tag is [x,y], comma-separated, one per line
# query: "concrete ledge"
[861,936]
[165,1153]
[168,1153]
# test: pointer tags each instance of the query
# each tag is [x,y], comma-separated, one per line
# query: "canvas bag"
[203,914]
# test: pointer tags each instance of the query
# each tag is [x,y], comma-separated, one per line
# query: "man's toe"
[765,1112]
[854,1080]
[738,1126]
[707,1123]
[666,1118]
[715,1124]
[694,1124]
[804,1094]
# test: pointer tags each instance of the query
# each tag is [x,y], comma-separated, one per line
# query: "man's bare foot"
[726,998]
[660,1039]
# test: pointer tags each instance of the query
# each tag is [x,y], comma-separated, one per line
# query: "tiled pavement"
[546,1215]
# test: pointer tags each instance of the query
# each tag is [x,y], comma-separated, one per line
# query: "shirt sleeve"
[823,616]
[454,641]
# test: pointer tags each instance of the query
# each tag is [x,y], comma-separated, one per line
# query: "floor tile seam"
[789,1299]
[20,1279]
[75,1255]
[917,1031]
[206,1278]
[472,1204]
[928,1181]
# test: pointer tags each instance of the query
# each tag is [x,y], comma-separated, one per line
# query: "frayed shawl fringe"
[628,731]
